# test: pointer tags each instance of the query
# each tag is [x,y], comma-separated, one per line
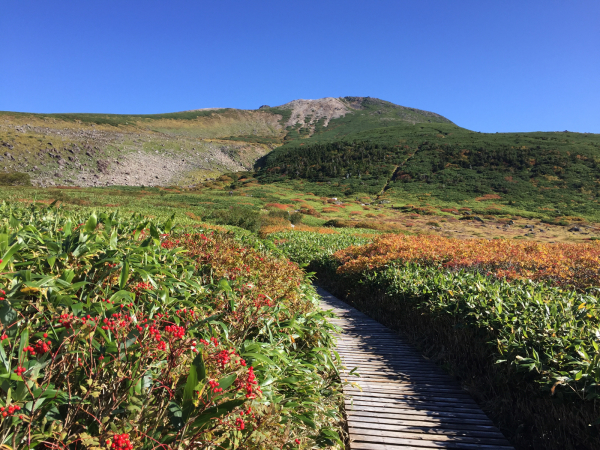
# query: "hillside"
[350,146]
[96,149]
[176,148]
[440,163]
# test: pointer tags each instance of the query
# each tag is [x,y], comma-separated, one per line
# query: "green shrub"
[15,179]
[237,216]
[123,331]
[296,218]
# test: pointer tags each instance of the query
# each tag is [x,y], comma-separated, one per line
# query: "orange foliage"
[488,197]
[279,206]
[278,278]
[329,209]
[560,264]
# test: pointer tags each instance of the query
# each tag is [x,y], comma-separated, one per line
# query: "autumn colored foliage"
[559,264]
[126,334]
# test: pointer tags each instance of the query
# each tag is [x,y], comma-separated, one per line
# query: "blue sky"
[487,65]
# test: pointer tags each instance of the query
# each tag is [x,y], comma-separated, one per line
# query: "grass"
[231,202]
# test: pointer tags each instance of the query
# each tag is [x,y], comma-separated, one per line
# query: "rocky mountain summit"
[167,149]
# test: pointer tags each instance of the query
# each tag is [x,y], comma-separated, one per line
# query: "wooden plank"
[384,396]
[401,400]
[446,424]
[427,435]
[433,431]
[407,444]
[422,443]
[402,417]
[357,403]
[407,389]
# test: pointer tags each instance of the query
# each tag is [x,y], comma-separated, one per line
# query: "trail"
[394,172]
[401,400]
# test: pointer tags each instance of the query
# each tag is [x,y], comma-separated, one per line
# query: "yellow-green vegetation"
[239,200]
[96,149]
[520,346]
[132,331]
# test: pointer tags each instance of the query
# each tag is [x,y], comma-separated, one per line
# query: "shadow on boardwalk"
[401,400]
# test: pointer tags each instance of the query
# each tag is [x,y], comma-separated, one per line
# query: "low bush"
[519,346]
[236,216]
[14,179]
[121,334]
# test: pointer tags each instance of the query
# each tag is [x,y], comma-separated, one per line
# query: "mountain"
[413,157]
[177,148]
[349,146]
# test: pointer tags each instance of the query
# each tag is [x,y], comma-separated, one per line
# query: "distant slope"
[178,148]
[108,149]
[558,173]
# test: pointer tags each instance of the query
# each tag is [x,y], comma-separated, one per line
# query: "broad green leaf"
[9,254]
[91,224]
[258,357]
[227,381]
[196,374]
[124,274]
[215,412]
[168,224]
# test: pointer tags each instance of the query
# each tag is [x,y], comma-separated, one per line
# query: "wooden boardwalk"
[404,401]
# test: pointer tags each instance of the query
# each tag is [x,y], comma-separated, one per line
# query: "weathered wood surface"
[401,400]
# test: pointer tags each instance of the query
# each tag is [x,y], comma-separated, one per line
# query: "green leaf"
[67,228]
[114,238]
[215,412]
[224,285]
[91,223]
[8,255]
[306,420]
[24,342]
[196,374]
[258,357]
[175,415]
[227,381]
[154,234]
[119,295]
[5,360]
[168,226]
[8,315]
[139,229]
[124,274]
[67,275]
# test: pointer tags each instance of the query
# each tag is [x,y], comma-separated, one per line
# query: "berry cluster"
[262,300]
[66,320]
[10,411]
[249,383]
[121,442]
[141,286]
[239,424]
[214,384]
[2,292]
[176,331]
[40,348]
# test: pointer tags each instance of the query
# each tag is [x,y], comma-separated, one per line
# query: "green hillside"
[551,173]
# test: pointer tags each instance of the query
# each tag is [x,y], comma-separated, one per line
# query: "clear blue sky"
[487,65]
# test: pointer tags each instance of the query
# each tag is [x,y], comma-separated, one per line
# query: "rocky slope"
[167,149]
